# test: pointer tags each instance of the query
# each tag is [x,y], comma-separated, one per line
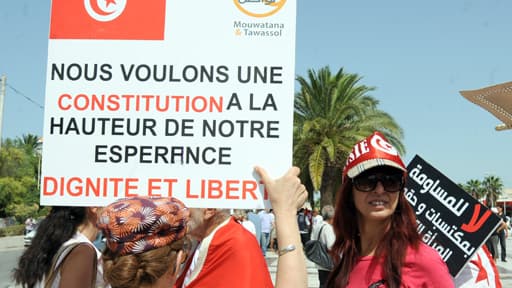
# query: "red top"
[229,257]
[422,268]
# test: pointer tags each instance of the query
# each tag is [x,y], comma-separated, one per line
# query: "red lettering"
[250,187]
[231,187]
[61,105]
[131,184]
[85,187]
[153,186]
[48,183]
[188,195]
[169,182]
[74,190]
[214,186]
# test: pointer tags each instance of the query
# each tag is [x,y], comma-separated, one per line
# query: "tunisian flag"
[108,19]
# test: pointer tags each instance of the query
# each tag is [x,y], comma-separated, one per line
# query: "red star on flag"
[108,2]
[482,274]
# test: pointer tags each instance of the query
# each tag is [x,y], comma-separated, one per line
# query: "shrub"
[12,230]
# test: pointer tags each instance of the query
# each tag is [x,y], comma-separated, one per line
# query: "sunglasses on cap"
[368,182]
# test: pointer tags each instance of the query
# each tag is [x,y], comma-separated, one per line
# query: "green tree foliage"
[474,187]
[19,170]
[15,162]
[493,187]
[332,113]
[490,188]
[11,192]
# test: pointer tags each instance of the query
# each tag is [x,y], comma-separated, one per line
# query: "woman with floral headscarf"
[145,241]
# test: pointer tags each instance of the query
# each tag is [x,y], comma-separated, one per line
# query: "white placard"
[167,98]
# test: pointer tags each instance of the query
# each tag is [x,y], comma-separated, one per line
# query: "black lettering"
[275,75]
[234,101]
[106,72]
[163,76]
[224,154]
[98,152]
[143,153]
[222,76]
[273,126]
[190,73]
[127,74]
[56,125]
[129,151]
[77,74]
[160,153]
[56,71]
[117,124]
[117,156]
[143,72]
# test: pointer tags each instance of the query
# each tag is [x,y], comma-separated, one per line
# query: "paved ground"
[12,247]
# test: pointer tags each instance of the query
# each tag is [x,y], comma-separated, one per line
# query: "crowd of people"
[371,234]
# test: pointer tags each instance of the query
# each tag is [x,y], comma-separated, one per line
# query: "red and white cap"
[372,152]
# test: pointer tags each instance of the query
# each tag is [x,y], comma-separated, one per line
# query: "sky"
[417,54]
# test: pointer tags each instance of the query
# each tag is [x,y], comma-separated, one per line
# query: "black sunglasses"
[391,183]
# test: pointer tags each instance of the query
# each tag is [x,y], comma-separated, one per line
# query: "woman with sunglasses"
[377,243]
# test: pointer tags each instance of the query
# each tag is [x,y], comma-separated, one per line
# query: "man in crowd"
[317,218]
[255,219]
[227,255]
[503,234]
[304,226]
[267,221]
[324,233]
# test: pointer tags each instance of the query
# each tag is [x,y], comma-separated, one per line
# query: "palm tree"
[29,142]
[475,188]
[493,187]
[332,113]
[32,144]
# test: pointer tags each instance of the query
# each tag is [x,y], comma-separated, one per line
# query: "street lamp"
[39,150]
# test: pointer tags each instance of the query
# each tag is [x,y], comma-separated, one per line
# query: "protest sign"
[167,98]
[449,219]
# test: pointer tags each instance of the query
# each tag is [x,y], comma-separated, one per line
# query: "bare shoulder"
[82,253]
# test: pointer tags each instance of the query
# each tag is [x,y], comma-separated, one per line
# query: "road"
[10,250]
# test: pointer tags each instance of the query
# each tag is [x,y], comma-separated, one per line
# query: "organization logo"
[108,19]
[104,10]
[259,8]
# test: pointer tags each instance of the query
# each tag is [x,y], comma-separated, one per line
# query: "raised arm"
[287,195]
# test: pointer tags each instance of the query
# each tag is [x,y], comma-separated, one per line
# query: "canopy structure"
[496,99]
[505,200]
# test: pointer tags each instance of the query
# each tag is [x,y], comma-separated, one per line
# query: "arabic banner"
[450,220]
[167,98]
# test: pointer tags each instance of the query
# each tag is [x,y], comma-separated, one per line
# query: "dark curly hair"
[58,227]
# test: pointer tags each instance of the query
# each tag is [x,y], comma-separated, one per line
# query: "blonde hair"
[144,269]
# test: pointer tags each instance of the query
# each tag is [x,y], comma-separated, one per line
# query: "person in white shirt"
[241,217]
[324,232]
[317,218]
[266,227]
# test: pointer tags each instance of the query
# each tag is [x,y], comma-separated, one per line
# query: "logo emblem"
[381,144]
[104,10]
[259,8]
